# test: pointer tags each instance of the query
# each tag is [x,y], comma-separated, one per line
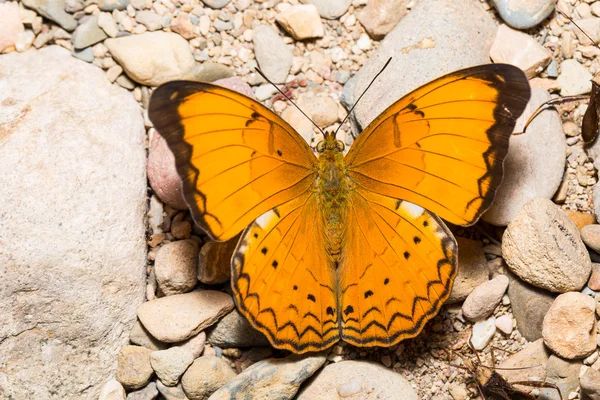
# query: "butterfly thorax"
[333,187]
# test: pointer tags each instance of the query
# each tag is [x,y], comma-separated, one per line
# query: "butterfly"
[342,248]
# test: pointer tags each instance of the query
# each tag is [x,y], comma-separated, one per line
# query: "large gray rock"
[72,224]
[435,38]
[535,162]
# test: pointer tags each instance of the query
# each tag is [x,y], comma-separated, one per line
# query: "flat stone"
[152,58]
[205,376]
[570,326]
[234,330]
[481,303]
[590,28]
[71,278]
[10,24]
[170,364]
[564,374]
[140,336]
[472,269]
[273,378]
[273,56]
[110,5]
[301,21]
[214,261]
[212,72]
[524,15]
[529,307]
[330,9]
[530,362]
[54,10]
[88,33]
[594,281]
[194,344]
[379,17]
[175,267]
[357,380]
[543,247]
[534,164]
[519,49]
[590,235]
[133,367]
[176,318]
[574,79]
[149,19]
[422,52]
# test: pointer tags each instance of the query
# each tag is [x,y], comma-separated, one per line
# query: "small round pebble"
[485,298]
[205,376]
[170,364]
[504,324]
[524,14]
[591,236]
[176,266]
[133,367]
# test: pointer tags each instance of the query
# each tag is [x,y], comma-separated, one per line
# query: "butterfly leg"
[539,384]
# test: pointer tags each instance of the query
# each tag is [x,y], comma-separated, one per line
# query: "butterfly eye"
[340,145]
[321,146]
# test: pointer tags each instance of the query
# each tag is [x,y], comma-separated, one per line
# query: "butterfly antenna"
[578,27]
[290,100]
[362,94]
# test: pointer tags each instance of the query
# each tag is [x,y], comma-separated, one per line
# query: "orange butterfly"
[343,247]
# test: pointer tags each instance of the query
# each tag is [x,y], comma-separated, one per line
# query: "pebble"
[234,330]
[330,9]
[171,392]
[216,4]
[417,58]
[151,20]
[272,54]
[271,379]
[110,5]
[504,324]
[181,229]
[524,15]
[530,362]
[152,58]
[214,261]
[379,17]
[24,41]
[299,122]
[543,247]
[140,336]
[570,326]
[534,164]
[213,72]
[170,364]
[589,27]
[178,317]
[113,72]
[54,10]
[147,393]
[519,49]
[574,79]
[590,384]
[482,301]
[472,269]
[112,390]
[108,24]
[301,21]
[133,367]
[564,374]
[322,109]
[581,219]
[205,376]
[483,332]
[357,380]
[175,267]
[10,24]
[590,235]
[195,344]
[162,173]
[86,54]
[529,307]
[594,281]
[183,26]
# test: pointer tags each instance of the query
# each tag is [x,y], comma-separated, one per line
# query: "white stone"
[504,323]
[302,22]
[519,49]
[112,390]
[574,78]
[73,258]
[108,24]
[483,332]
[272,54]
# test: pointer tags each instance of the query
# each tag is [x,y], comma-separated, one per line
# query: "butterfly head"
[330,145]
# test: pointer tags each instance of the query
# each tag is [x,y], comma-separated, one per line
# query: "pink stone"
[10,24]
[163,175]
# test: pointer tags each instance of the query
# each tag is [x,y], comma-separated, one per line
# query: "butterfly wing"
[283,280]
[442,146]
[399,267]
[237,159]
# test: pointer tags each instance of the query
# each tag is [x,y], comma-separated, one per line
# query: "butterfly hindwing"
[283,280]
[442,146]
[399,264]
[237,159]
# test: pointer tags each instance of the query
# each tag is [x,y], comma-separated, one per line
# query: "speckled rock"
[152,58]
[524,14]
[535,162]
[133,367]
[542,246]
[330,9]
[472,269]
[379,17]
[205,376]
[570,326]
[481,303]
[529,306]
[54,10]
[175,267]
[357,380]
[214,261]
[234,330]
[273,56]
[73,260]
[176,318]
[271,379]
[170,364]
[423,51]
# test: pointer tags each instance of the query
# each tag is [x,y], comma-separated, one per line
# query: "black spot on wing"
[311,298]
[349,310]
[368,294]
